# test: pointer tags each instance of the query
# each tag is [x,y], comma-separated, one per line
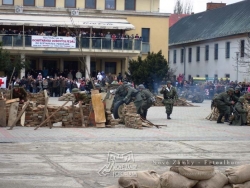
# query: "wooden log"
[12,100]
[19,115]
[98,107]
[45,108]
[13,113]
[81,112]
[22,120]
[51,115]
[2,113]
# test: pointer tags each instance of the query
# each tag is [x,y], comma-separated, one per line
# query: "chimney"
[211,6]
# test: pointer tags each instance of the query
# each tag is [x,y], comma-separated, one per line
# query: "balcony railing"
[81,42]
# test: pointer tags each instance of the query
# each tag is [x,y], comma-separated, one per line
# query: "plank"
[19,115]
[45,108]
[12,100]
[98,107]
[48,118]
[22,120]
[13,113]
[100,125]
[3,113]
[81,113]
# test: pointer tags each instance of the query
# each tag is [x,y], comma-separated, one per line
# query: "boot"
[219,119]
[168,116]
[226,118]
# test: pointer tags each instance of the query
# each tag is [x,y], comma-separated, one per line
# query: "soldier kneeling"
[80,96]
[19,92]
[240,114]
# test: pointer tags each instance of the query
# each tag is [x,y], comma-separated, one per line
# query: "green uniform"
[170,95]
[147,102]
[134,94]
[240,117]
[198,98]
[120,93]
[81,97]
[19,92]
[223,103]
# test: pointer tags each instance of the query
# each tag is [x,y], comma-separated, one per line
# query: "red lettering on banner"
[1,82]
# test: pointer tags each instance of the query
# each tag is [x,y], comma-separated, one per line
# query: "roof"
[65,21]
[221,22]
[174,18]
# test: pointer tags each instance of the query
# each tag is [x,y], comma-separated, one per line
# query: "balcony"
[86,44]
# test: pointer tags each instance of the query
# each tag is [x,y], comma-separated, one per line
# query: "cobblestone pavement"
[72,157]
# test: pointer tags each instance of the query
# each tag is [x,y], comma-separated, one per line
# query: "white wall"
[221,67]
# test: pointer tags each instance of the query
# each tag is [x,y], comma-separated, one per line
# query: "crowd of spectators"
[64,82]
[210,88]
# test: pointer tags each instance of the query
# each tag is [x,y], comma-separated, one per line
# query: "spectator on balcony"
[107,40]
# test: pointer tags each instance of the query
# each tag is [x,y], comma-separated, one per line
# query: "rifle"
[235,112]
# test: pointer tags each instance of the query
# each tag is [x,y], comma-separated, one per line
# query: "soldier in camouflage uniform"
[19,92]
[240,114]
[247,97]
[223,103]
[80,97]
[133,94]
[170,95]
[120,92]
[147,102]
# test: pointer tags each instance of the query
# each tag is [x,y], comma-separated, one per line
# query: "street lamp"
[237,58]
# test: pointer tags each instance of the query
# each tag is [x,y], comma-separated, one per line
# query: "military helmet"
[230,90]
[141,86]
[241,99]
[75,90]
[16,85]
[168,82]
[128,85]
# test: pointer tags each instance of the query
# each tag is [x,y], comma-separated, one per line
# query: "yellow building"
[57,34]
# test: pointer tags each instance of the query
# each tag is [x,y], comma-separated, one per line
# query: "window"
[129,4]
[242,48]
[49,3]
[29,2]
[70,3]
[110,4]
[227,75]
[110,67]
[189,55]
[182,55]
[206,76]
[216,51]
[198,53]
[207,52]
[8,2]
[91,4]
[174,56]
[227,49]
[145,34]
[197,75]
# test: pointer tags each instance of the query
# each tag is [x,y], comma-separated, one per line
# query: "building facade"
[214,43]
[63,34]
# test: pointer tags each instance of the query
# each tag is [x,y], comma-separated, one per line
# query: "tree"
[8,62]
[151,70]
[181,8]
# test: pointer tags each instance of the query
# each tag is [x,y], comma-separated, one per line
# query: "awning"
[65,21]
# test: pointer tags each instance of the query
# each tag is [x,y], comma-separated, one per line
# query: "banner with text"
[53,42]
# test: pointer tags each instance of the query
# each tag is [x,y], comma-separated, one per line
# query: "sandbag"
[239,174]
[175,180]
[217,181]
[143,179]
[244,185]
[195,172]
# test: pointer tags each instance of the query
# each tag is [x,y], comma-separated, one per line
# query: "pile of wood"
[179,102]
[110,121]
[67,97]
[214,114]
[247,106]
